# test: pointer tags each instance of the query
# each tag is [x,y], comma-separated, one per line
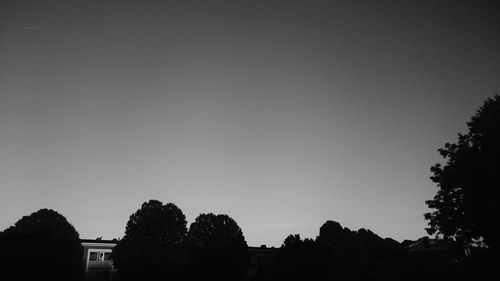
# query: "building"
[97,259]
[261,258]
[435,253]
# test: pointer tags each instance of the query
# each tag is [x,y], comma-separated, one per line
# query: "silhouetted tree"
[466,204]
[152,245]
[217,248]
[41,246]
[348,258]
[291,241]
[353,255]
[381,254]
[301,260]
[407,243]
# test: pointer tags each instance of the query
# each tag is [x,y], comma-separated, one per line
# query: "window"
[99,256]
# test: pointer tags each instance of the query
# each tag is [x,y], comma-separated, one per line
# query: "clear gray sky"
[281,114]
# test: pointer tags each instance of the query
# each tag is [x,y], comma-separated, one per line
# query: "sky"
[280,114]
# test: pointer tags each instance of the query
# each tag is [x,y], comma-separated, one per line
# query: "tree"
[353,254]
[379,253]
[466,203]
[38,242]
[291,241]
[152,245]
[348,257]
[217,248]
[299,259]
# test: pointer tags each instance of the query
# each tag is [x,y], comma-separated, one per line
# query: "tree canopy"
[152,245]
[41,240]
[45,222]
[466,202]
[217,248]
[337,254]
[299,259]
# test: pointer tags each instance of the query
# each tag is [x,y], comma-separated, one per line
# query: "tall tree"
[152,245]
[217,248]
[38,242]
[467,200]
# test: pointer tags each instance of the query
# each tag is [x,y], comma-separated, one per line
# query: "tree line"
[158,245]
[337,253]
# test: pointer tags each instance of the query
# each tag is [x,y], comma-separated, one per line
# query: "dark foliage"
[339,254]
[152,245]
[217,249]
[465,206]
[41,246]
[356,254]
[301,260]
[381,254]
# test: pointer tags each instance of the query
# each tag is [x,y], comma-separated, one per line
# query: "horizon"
[280,114]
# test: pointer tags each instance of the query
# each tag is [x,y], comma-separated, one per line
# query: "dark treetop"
[152,245]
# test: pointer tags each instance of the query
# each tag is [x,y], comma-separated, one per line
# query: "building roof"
[99,241]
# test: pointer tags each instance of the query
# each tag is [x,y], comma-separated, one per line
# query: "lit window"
[99,256]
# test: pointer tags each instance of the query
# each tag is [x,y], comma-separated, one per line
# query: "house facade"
[97,261]
[261,258]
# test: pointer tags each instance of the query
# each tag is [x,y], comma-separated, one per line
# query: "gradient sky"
[281,114]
